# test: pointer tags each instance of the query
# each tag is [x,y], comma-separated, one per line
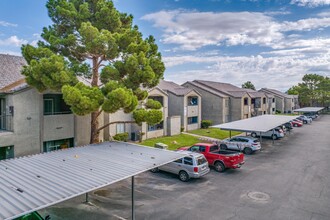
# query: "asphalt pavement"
[287,180]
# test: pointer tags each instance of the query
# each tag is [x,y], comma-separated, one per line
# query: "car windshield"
[201,160]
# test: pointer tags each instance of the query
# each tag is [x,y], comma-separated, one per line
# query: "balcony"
[6,123]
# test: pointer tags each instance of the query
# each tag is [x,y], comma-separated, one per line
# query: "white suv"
[278,133]
[242,143]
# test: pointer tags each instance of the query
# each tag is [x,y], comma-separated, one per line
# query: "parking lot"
[287,180]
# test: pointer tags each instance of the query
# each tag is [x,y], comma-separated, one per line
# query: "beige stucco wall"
[192,111]
[288,105]
[173,125]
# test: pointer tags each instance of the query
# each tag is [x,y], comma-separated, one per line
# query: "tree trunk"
[94,115]
[94,128]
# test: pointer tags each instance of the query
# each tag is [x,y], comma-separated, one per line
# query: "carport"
[35,182]
[309,109]
[262,123]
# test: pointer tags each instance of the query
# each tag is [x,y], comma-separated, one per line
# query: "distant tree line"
[314,90]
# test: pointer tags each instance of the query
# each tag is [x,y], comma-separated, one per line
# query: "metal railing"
[6,123]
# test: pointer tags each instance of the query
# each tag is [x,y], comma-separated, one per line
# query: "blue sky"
[272,43]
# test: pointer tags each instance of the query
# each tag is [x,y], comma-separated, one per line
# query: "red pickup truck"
[220,159]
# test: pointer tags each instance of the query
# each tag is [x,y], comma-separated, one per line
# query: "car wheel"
[254,134]
[223,147]
[219,166]
[183,176]
[248,150]
[295,125]
[274,136]
[154,170]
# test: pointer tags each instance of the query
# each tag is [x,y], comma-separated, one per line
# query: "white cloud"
[7,24]
[192,30]
[306,24]
[13,41]
[275,72]
[311,3]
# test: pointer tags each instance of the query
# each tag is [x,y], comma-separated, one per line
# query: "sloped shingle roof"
[173,88]
[208,89]
[275,92]
[10,69]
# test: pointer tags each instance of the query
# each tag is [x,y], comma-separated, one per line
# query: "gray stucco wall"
[173,125]
[236,109]
[212,105]
[26,137]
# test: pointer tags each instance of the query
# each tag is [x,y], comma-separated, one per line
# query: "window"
[157,98]
[54,105]
[192,120]
[201,160]
[178,161]
[188,161]
[58,144]
[194,149]
[6,152]
[156,127]
[246,101]
[253,101]
[273,100]
[273,109]
[202,148]
[264,112]
[193,100]
[214,148]
[264,100]
[120,128]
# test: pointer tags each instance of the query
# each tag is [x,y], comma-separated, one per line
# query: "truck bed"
[225,152]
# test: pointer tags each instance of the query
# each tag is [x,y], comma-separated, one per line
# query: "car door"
[171,167]
[233,144]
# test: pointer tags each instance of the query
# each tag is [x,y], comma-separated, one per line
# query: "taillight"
[195,169]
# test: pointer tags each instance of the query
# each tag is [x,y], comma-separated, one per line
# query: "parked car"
[278,133]
[288,126]
[312,115]
[296,123]
[246,144]
[305,119]
[33,216]
[193,165]
[219,159]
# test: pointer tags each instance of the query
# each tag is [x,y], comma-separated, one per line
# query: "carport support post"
[87,198]
[273,135]
[229,133]
[133,210]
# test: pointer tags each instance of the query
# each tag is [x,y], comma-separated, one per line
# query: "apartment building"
[284,103]
[31,122]
[223,102]
[183,102]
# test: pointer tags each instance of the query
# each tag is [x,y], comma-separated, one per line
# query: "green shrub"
[182,129]
[121,137]
[278,111]
[206,123]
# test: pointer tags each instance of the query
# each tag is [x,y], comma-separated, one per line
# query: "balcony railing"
[6,123]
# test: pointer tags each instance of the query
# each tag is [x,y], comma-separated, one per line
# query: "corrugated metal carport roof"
[309,109]
[261,123]
[34,182]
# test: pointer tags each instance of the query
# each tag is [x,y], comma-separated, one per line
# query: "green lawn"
[173,142]
[214,133]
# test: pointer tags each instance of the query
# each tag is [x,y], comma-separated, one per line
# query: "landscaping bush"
[121,137]
[182,129]
[278,112]
[206,123]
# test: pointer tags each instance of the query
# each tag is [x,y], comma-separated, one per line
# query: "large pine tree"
[91,38]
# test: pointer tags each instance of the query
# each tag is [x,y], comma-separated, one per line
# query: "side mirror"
[47,217]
